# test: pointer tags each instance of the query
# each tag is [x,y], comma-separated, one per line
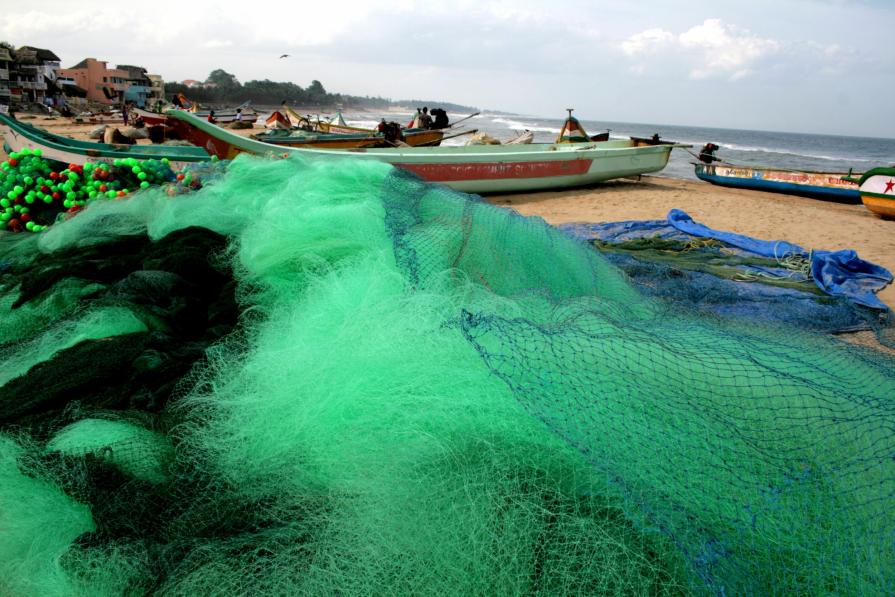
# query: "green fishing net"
[321,377]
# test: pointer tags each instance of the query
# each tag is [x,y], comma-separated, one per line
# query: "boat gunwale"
[56,142]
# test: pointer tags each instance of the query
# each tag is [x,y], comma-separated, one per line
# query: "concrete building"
[104,85]
[115,85]
[32,71]
[138,86]
[157,85]
[5,62]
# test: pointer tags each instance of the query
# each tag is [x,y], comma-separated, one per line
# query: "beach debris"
[483,139]
[97,132]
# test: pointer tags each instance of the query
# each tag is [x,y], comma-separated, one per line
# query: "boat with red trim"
[477,168]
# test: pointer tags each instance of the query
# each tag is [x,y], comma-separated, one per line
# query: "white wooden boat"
[478,169]
[223,116]
[877,188]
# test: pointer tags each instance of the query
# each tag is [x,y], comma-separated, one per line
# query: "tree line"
[224,88]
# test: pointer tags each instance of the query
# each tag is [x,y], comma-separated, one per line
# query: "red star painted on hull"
[889,186]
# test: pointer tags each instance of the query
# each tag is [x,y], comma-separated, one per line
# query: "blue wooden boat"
[805,183]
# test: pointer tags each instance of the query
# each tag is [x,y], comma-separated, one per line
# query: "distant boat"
[477,169]
[338,128]
[277,121]
[877,189]
[18,135]
[222,116]
[523,138]
[805,183]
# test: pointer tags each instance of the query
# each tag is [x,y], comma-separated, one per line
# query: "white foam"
[518,125]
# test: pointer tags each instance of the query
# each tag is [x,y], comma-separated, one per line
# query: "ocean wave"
[517,125]
[747,148]
[366,124]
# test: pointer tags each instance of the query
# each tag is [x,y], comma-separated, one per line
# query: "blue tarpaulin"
[837,273]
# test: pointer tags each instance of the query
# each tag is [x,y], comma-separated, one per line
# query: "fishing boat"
[523,138]
[223,116]
[478,169]
[277,121]
[337,126]
[150,118]
[411,137]
[18,135]
[319,140]
[877,189]
[832,186]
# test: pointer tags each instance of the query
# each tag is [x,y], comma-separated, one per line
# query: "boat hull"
[324,141]
[18,136]
[150,118]
[224,116]
[817,185]
[877,188]
[478,169]
[345,141]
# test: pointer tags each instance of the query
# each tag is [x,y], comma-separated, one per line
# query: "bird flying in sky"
[285,56]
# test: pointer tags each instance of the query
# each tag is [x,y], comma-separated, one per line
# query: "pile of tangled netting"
[823,291]
[321,378]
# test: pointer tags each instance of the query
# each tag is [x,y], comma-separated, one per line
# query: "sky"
[811,66]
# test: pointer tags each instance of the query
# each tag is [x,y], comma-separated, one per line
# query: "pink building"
[103,84]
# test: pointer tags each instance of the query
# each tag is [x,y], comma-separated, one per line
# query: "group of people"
[424,119]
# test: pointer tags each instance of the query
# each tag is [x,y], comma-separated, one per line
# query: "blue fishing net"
[694,267]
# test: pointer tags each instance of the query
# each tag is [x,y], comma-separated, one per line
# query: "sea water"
[794,151]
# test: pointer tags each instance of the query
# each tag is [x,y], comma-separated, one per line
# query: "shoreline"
[814,224]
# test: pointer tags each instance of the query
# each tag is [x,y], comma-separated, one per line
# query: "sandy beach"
[810,223]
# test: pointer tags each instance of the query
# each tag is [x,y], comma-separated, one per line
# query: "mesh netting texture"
[322,377]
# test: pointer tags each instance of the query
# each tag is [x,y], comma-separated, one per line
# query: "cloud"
[646,42]
[217,43]
[726,50]
[712,49]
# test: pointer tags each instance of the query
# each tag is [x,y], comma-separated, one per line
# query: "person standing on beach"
[211,117]
[124,111]
[238,114]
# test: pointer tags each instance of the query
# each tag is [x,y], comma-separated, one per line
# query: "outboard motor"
[392,132]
